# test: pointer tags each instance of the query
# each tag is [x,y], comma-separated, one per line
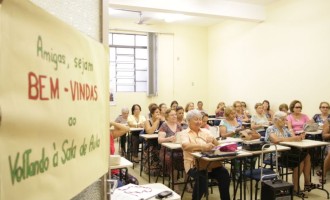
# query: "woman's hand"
[207,147]
[171,139]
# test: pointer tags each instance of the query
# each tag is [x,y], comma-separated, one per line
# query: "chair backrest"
[214,130]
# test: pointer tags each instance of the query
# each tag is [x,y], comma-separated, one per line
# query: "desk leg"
[172,171]
[141,164]
[148,151]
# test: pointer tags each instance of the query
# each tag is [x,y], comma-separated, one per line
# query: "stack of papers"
[134,192]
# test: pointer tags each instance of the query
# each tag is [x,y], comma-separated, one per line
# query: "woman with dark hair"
[259,121]
[136,120]
[151,127]
[163,109]
[267,111]
[174,104]
[180,117]
[296,119]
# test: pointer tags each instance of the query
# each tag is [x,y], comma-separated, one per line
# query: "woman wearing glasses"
[195,139]
[296,119]
[323,116]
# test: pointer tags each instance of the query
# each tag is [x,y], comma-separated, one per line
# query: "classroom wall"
[286,57]
[182,70]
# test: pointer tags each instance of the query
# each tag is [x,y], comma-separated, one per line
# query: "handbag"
[310,127]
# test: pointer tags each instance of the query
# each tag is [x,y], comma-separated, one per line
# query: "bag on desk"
[249,134]
[311,127]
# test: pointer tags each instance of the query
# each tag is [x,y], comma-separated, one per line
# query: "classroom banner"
[54,106]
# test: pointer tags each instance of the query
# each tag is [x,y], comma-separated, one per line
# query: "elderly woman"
[280,133]
[122,119]
[195,139]
[259,120]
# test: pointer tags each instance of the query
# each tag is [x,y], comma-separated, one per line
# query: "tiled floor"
[314,194]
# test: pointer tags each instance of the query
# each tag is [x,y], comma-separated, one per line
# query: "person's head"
[170,115]
[154,111]
[221,105]
[238,106]
[205,118]
[230,112]
[124,112]
[283,107]
[194,119]
[279,119]
[295,106]
[136,109]
[259,108]
[151,105]
[266,105]
[174,104]
[189,106]
[179,113]
[324,107]
[162,108]
[200,105]
[243,105]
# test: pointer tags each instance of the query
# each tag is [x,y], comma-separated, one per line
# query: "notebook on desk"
[135,192]
[217,154]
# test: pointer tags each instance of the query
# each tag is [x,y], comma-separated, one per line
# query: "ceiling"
[193,12]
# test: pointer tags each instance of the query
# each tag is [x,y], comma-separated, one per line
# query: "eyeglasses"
[325,107]
[298,107]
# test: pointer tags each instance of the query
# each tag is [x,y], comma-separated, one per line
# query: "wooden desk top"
[305,144]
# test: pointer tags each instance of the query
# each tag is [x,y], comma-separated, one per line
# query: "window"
[128,62]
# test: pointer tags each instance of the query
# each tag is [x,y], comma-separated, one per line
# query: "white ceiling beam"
[204,8]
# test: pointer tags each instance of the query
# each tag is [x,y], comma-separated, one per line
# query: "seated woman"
[280,133]
[180,117]
[195,139]
[119,130]
[324,116]
[219,112]
[259,120]
[151,146]
[163,109]
[136,120]
[174,104]
[267,111]
[245,109]
[229,127]
[296,119]
[326,164]
[284,108]
[240,115]
[189,106]
[168,133]
[205,119]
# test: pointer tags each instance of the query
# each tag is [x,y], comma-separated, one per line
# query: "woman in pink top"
[296,119]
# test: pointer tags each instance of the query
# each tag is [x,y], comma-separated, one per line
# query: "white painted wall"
[182,60]
[282,59]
